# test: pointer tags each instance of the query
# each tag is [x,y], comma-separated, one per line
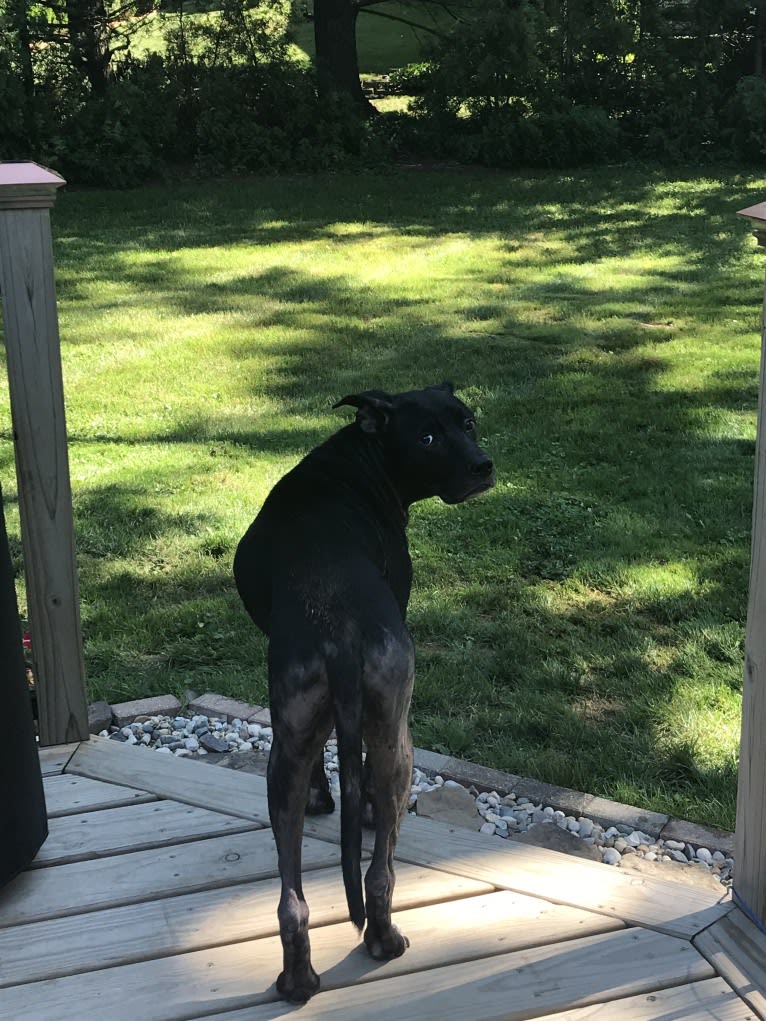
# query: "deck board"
[71,795]
[135,932]
[165,910]
[575,972]
[54,757]
[737,950]
[708,1000]
[193,783]
[117,830]
[662,904]
[99,883]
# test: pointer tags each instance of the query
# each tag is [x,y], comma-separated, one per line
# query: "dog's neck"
[358,460]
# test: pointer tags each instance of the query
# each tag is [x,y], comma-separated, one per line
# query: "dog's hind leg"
[301,720]
[320,801]
[368,793]
[387,693]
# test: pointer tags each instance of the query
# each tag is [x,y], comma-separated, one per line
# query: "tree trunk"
[20,21]
[335,42]
[89,41]
[760,31]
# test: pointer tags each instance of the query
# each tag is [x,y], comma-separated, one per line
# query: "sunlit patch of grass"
[393,104]
[582,623]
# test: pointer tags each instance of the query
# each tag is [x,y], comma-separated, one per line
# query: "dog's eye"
[427,439]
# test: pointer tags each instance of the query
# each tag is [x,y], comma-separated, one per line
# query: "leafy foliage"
[561,82]
[548,83]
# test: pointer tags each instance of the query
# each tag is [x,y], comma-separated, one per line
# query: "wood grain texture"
[54,758]
[576,972]
[42,469]
[708,1000]
[193,783]
[73,795]
[117,830]
[136,932]
[750,838]
[144,875]
[737,950]
[667,906]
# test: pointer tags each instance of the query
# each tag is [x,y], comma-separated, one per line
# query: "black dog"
[325,571]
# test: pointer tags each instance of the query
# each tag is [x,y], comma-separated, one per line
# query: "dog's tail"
[348,726]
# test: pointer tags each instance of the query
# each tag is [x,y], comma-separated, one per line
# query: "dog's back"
[320,529]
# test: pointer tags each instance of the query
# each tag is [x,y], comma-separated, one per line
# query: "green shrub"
[562,138]
[15,135]
[247,117]
[267,119]
[515,137]
[746,118]
[125,136]
[412,79]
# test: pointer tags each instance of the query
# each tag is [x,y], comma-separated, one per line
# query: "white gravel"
[504,815]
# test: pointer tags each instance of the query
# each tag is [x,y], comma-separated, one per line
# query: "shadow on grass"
[613,554]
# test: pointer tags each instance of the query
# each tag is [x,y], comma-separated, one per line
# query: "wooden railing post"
[750,844]
[27,288]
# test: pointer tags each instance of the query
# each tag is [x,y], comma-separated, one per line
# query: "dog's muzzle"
[482,478]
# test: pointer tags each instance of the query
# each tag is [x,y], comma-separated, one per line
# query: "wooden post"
[27,286]
[750,844]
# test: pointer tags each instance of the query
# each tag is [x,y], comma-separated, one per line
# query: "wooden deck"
[155,897]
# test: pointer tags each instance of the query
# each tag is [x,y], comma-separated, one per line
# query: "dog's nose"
[482,468]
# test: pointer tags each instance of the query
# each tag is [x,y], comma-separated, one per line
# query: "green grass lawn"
[583,622]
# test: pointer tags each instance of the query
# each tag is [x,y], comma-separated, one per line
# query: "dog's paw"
[385,946]
[319,802]
[298,988]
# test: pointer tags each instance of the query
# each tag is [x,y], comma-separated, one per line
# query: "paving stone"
[263,716]
[699,836]
[451,805]
[159,705]
[574,803]
[554,838]
[600,810]
[99,717]
[224,708]
[482,778]
[430,762]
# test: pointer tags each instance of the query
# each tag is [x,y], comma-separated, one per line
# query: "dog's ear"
[373,408]
[449,387]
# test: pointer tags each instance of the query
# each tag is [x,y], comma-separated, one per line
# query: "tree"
[335,44]
[89,41]
[18,18]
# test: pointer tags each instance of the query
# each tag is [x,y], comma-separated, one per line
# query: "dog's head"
[429,439]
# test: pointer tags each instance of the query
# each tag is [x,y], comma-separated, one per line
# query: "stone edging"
[468,774]
[575,803]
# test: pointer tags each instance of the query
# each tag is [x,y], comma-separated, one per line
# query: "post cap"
[27,185]
[757,217]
